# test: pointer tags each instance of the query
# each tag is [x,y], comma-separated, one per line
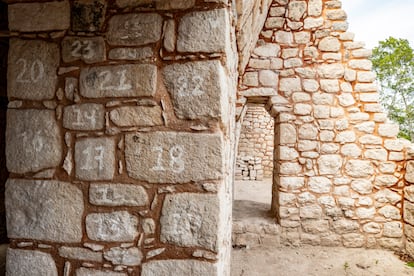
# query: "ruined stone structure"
[123,124]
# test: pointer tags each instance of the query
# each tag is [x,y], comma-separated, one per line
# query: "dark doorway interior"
[4,48]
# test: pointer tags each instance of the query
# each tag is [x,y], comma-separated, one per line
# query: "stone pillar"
[119,135]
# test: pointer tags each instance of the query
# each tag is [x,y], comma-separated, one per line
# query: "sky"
[375,20]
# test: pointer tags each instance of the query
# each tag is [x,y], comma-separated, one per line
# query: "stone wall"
[339,170]
[256,140]
[119,135]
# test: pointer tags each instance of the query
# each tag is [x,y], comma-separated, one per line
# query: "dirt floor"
[262,260]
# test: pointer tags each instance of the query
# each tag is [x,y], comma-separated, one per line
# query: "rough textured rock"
[95,159]
[27,262]
[33,139]
[180,267]
[128,116]
[190,220]
[117,195]
[124,256]
[169,157]
[32,69]
[118,226]
[79,253]
[44,210]
[193,84]
[86,116]
[118,81]
[88,16]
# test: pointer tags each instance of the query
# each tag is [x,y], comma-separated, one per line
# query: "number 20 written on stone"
[176,163]
[31,72]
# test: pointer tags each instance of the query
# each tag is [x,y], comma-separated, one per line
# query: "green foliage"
[393,61]
[410,264]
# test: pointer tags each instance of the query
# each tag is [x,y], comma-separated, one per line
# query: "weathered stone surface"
[296,10]
[344,226]
[408,212]
[362,186]
[267,50]
[290,85]
[27,262]
[353,240]
[315,226]
[180,267]
[44,210]
[331,71]
[387,196]
[117,195]
[134,29]
[385,180]
[33,140]
[118,81]
[204,31]
[79,253]
[95,159]
[365,213]
[329,44]
[359,168]
[315,7]
[118,226]
[193,84]
[128,116]
[131,53]
[170,37]
[87,15]
[376,154]
[292,183]
[320,185]
[172,5]
[393,229]
[58,16]
[86,116]
[191,220]
[171,157]
[124,256]
[93,272]
[32,66]
[329,164]
[311,212]
[409,175]
[390,212]
[388,130]
[87,49]
[351,150]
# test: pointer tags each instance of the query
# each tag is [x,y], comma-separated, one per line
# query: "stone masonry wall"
[119,134]
[339,170]
[256,139]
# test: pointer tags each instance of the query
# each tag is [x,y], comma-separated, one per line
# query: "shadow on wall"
[4,46]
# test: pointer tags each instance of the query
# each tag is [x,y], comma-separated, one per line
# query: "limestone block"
[290,85]
[292,183]
[307,145]
[394,145]
[192,84]
[385,180]
[387,167]
[345,137]
[308,132]
[365,213]
[79,253]
[93,272]
[131,53]
[345,226]
[171,157]
[362,186]
[366,77]
[296,10]
[288,153]
[190,220]
[134,29]
[95,159]
[359,168]
[331,71]
[306,198]
[409,193]
[372,228]
[376,154]
[33,140]
[267,50]
[394,244]
[274,22]
[87,15]
[315,7]
[408,212]
[360,64]
[351,150]
[259,92]
[204,31]
[170,37]
[132,3]
[409,232]
[359,116]
[49,16]
[390,212]
[409,247]
[283,37]
[329,164]
[301,97]
[302,37]
[32,66]
[336,14]
[179,267]
[367,127]
[353,240]
[346,99]
[173,5]
[148,226]
[310,85]
[310,212]
[290,168]
[315,226]
[370,140]
[346,203]
[286,199]
[117,195]
[128,116]
[362,53]
[329,86]
[387,196]
[44,210]
[118,226]
[393,229]
[86,116]
[323,98]
[313,23]
[118,81]
[388,130]
[27,262]
[87,49]
[350,75]
[288,134]
[302,109]
[319,184]
[251,79]
[124,256]
[268,78]
[329,44]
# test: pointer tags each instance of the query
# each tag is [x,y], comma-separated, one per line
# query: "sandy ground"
[252,200]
